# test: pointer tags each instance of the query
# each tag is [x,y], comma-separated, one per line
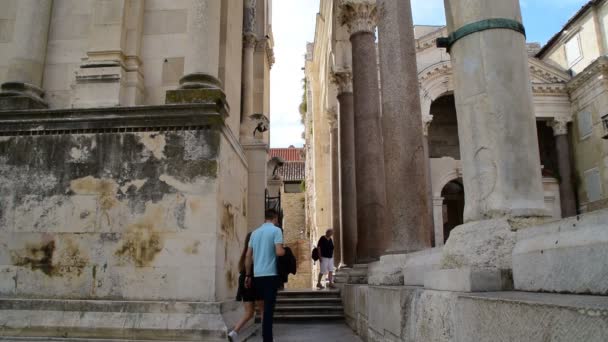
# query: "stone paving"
[305,332]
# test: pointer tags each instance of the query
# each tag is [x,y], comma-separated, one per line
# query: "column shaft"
[348,187]
[249,42]
[335,191]
[406,166]
[566,188]
[496,123]
[373,239]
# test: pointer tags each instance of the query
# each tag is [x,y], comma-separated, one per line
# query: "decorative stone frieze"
[359,15]
[343,79]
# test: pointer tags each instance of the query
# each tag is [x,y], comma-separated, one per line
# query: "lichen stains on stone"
[105,189]
[49,259]
[36,257]
[193,248]
[231,281]
[143,242]
[135,184]
[155,143]
[228,226]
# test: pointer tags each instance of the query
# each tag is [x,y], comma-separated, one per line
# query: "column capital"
[250,40]
[426,123]
[359,15]
[343,79]
[559,125]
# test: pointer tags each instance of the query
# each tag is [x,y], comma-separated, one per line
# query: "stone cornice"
[429,41]
[597,68]
[359,15]
[112,119]
[553,89]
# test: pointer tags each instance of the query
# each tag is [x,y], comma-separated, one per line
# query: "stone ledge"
[568,256]
[469,280]
[149,321]
[81,119]
[419,264]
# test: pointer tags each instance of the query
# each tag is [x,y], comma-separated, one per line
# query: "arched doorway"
[453,206]
[443,137]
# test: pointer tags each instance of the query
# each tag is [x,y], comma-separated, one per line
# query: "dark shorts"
[243,294]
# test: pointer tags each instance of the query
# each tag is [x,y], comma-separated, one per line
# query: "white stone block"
[387,271]
[565,256]
[419,264]
[469,280]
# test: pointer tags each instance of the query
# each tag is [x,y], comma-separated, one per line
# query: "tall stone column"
[249,43]
[334,151]
[496,123]
[22,88]
[406,165]
[373,238]
[426,123]
[566,188]
[348,186]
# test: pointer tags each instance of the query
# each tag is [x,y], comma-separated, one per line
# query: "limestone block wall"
[294,233]
[120,213]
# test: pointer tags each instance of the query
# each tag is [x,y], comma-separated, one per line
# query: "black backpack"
[315,254]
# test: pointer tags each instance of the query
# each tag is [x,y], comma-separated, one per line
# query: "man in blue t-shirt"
[265,245]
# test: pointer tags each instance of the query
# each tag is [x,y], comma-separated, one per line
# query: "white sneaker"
[232,336]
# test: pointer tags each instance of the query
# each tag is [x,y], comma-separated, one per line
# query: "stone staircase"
[307,305]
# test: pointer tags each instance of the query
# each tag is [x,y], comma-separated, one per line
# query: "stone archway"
[453,206]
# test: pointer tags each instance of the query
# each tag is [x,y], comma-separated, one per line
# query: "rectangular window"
[605,125]
[574,51]
[293,188]
[593,184]
[585,125]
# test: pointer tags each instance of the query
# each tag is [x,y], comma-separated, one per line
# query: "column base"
[21,96]
[419,264]
[388,271]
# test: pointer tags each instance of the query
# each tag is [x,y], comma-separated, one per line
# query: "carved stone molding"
[265,45]
[559,125]
[250,40]
[343,79]
[359,15]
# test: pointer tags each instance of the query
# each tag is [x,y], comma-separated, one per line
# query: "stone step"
[309,294]
[294,301]
[291,317]
[309,308]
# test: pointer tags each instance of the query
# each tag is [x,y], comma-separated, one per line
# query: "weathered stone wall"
[121,214]
[294,230]
[413,314]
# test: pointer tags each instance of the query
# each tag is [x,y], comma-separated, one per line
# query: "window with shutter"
[593,184]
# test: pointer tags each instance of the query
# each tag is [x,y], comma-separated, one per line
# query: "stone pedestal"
[373,237]
[26,56]
[564,163]
[405,160]
[348,186]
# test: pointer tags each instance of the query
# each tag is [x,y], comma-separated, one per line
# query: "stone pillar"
[406,165]
[426,123]
[111,73]
[566,188]
[257,158]
[348,186]
[334,151]
[249,43]
[496,123]
[27,54]
[373,238]
[438,219]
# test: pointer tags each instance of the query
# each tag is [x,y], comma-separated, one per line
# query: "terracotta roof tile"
[288,154]
[293,171]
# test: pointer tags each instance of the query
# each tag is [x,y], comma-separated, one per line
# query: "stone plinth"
[567,256]
[121,211]
[398,313]
[419,264]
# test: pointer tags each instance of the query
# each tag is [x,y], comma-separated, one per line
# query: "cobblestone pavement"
[311,332]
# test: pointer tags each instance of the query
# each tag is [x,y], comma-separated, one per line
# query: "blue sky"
[294,25]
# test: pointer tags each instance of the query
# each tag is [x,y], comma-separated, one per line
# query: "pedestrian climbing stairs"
[307,305]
